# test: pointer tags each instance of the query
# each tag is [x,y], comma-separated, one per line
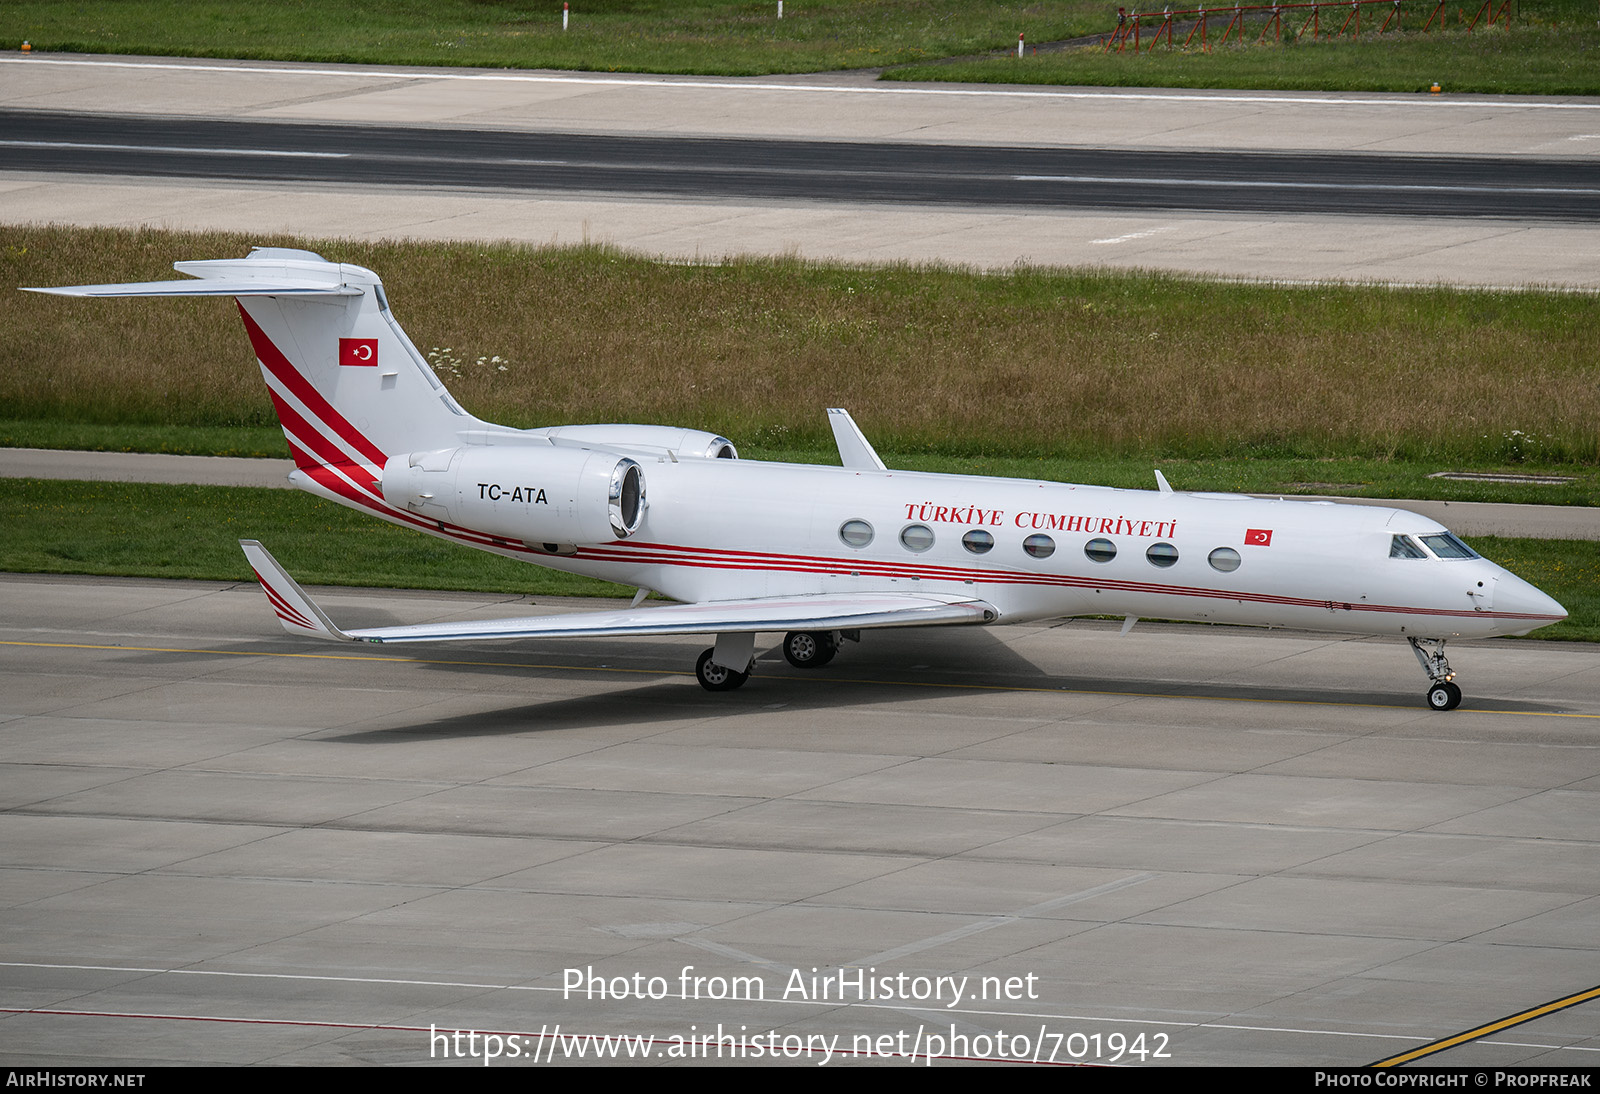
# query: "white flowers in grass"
[445,360]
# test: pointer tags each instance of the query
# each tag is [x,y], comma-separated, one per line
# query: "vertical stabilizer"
[349,387]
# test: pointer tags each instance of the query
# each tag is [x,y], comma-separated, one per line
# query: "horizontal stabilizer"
[209,287]
[822,612]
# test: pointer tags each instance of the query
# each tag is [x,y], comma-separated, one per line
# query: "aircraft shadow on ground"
[643,681]
[889,667]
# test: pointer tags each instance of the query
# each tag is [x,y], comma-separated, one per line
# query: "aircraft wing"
[842,611]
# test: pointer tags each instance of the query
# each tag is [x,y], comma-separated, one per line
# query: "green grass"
[1551,48]
[938,361]
[193,532]
[1344,477]
[716,37]
[178,440]
[149,530]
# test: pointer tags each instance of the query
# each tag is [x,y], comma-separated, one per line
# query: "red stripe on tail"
[280,366]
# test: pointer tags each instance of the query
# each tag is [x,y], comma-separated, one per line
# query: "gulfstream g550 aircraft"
[819,554]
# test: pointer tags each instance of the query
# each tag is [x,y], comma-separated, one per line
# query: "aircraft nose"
[1515,596]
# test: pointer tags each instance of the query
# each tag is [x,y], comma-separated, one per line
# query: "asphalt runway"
[1495,190]
[745,169]
[224,844]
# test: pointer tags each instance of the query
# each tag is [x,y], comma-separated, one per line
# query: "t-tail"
[370,425]
[348,386]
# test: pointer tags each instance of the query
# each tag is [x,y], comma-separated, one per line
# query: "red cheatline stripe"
[279,365]
[730,558]
[623,552]
[836,565]
[340,479]
[685,556]
[286,611]
[320,456]
[304,460]
[322,450]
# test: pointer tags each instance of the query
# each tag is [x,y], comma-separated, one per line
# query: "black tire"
[714,677]
[809,649]
[1444,696]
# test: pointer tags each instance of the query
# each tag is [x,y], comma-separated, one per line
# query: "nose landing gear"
[1443,694]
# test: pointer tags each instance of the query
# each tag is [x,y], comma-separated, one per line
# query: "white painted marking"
[171,148]
[1134,235]
[832,1003]
[1276,185]
[1429,103]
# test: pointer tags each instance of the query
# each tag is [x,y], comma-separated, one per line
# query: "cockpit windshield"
[1405,547]
[1446,545]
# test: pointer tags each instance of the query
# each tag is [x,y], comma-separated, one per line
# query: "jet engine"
[539,494]
[647,439]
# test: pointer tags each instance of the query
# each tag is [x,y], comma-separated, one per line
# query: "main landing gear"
[715,677]
[1442,691]
[802,649]
[809,649]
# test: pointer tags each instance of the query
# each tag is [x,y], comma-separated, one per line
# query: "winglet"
[854,449]
[295,609]
[1162,484]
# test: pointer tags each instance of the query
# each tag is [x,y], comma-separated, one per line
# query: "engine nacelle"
[654,439]
[543,495]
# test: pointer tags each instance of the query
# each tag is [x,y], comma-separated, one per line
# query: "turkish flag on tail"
[358,351]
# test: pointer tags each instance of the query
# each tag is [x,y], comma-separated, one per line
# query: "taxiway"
[221,844]
[226,845]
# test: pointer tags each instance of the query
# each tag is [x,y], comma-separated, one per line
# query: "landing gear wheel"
[809,649]
[1444,696]
[715,677]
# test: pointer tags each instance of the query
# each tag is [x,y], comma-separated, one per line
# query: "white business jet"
[819,554]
